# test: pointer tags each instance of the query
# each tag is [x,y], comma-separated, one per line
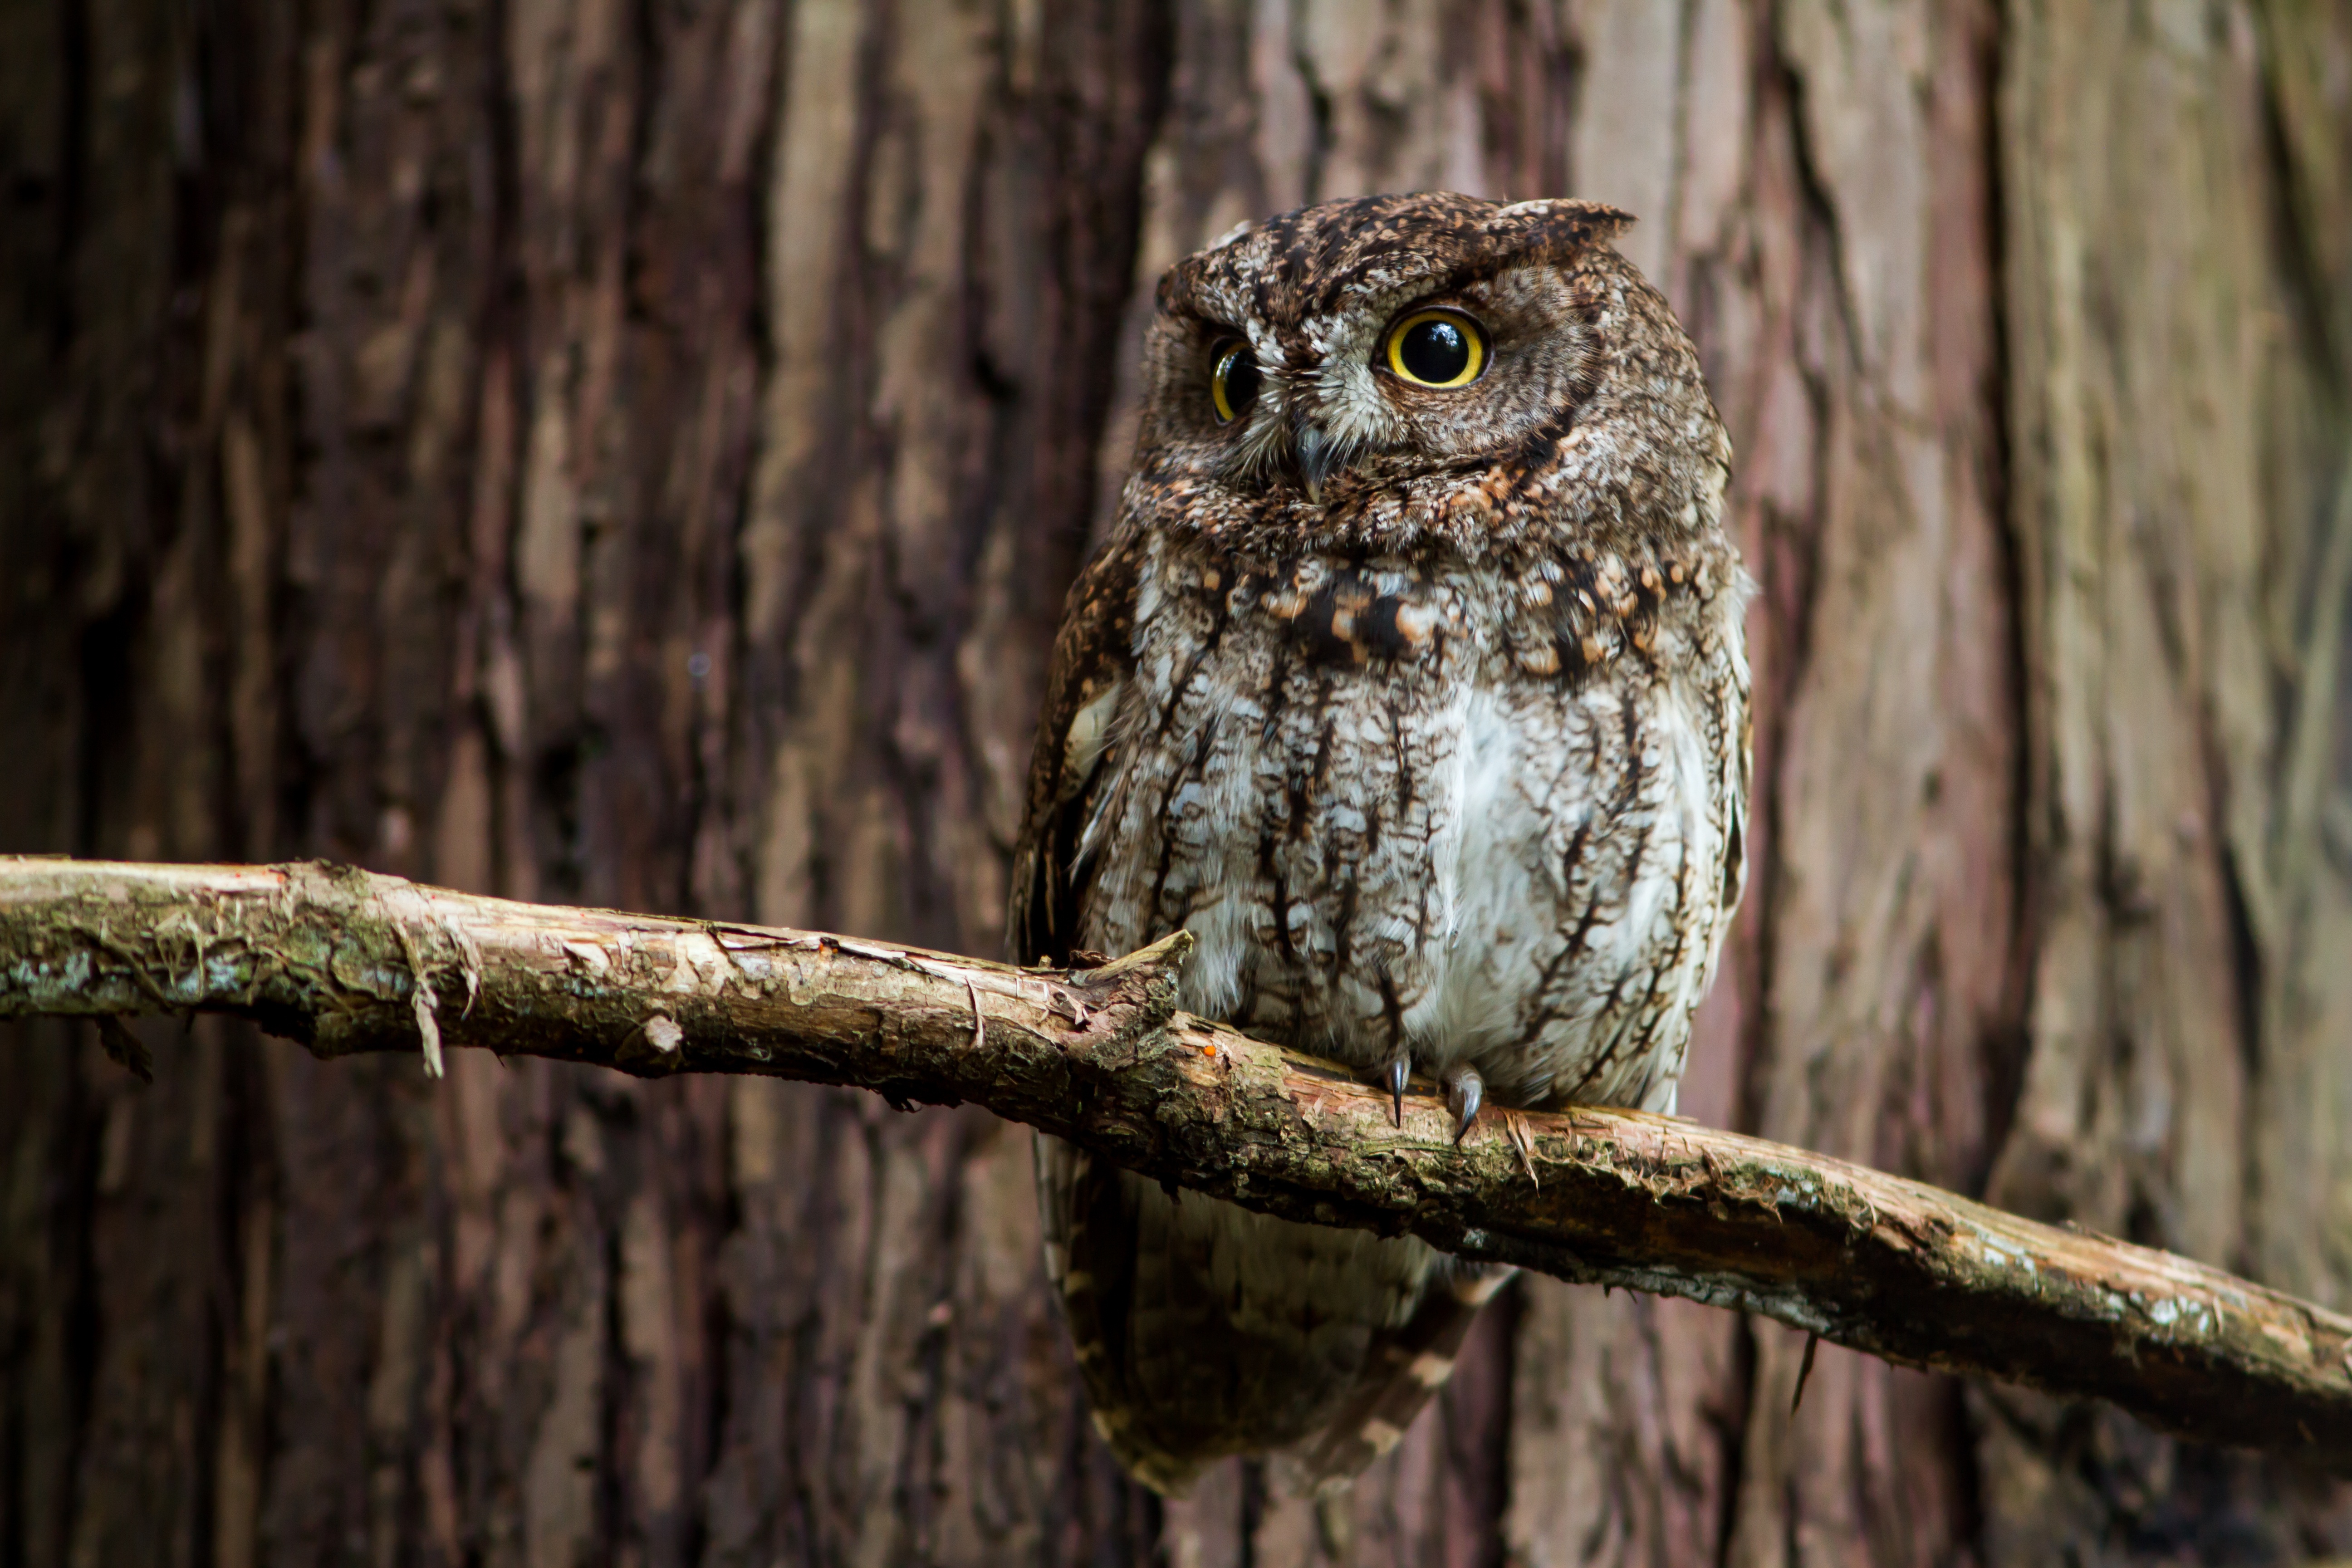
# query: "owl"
[1410,680]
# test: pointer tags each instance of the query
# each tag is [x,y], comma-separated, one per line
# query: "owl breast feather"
[1400,809]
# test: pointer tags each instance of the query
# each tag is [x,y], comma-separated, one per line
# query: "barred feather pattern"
[1446,762]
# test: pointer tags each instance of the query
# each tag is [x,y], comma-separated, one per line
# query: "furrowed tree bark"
[631,452]
[348,961]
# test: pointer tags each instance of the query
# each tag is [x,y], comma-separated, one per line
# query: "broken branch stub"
[345,961]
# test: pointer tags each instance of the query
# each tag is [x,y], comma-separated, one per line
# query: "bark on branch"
[345,961]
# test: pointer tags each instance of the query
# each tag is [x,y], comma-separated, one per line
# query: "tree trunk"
[632,454]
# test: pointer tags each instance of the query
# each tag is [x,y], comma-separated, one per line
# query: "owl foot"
[1399,1070]
[1464,1090]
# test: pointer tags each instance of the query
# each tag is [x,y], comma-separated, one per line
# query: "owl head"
[1394,369]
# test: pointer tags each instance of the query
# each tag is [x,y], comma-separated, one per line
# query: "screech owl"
[1410,680]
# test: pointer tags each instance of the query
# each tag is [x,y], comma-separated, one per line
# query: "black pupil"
[1241,381]
[1435,350]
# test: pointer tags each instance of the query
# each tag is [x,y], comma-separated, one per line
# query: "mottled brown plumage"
[1424,708]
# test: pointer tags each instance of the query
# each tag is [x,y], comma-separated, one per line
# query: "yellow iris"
[1437,348]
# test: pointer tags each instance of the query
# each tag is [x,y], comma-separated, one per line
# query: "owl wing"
[1173,1385]
[1084,1209]
[1078,734]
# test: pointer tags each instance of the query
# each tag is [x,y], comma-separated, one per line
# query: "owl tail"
[1403,1372]
[1204,1331]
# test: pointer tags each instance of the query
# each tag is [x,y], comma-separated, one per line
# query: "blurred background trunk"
[632,451]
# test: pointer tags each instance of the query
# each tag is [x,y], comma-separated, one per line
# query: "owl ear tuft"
[1555,228]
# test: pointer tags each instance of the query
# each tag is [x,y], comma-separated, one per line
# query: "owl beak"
[1318,456]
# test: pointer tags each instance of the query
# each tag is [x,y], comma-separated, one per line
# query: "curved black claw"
[1464,1090]
[1399,1070]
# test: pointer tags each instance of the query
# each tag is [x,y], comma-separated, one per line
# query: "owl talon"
[1464,1090]
[1399,1070]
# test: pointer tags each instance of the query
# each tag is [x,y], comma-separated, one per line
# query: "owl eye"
[1437,348]
[1233,386]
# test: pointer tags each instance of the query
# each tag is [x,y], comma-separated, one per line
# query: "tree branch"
[345,961]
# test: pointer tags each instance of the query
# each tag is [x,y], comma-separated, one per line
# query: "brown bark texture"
[347,961]
[629,452]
